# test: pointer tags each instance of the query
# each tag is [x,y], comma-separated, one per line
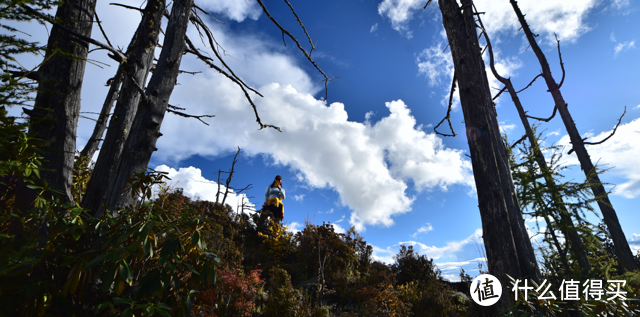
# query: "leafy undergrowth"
[169,255]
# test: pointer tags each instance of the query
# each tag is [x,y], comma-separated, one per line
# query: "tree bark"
[57,104]
[101,125]
[145,130]
[509,250]
[568,228]
[625,256]
[134,74]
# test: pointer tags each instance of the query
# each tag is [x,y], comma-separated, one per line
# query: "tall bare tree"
[57,105]
[625,256]
[509,250]
[569,230]
[133,73]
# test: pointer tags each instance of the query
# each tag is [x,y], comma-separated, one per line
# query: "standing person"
[273,197]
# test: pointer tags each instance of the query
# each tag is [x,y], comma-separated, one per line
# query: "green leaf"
[147,248]
[126,313]
[162,311]
[195,238]
[119,300]
[125,272]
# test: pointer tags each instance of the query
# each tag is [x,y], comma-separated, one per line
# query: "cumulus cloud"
[424,229]
[373,28]
[436,64]
[368,165]
[298,197]
[400,13]
[450,249]
[338,228]
[195,185]
[294,227]
[232,9]
[620,152]
[566,18]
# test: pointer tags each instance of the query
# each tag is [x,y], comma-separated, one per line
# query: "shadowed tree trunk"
[101,124]
[57,104]
[134,73]
[509,250]
[145,130]
[568,229]
[625,256]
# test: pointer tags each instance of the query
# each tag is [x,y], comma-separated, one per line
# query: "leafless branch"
[126,6]
[138,86]
[426,5]
[561,63]
[175,108]
[284,31]
[519,141]
[529,85]
[196,19]
[555,109]
[612,132]
[207,13]
[313,47]
[500,92]
[448,116]
[102,30]
[193,50]
[233,164]
[118,56]
[182,114]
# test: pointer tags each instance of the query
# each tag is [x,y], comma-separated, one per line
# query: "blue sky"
[368,157]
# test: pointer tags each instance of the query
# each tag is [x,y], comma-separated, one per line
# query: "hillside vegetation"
[169,255]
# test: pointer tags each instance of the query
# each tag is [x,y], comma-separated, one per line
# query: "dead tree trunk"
[625,257]
[509,250]
[57,105]
[101,125]
[134,73]
[569,230]
[145,130]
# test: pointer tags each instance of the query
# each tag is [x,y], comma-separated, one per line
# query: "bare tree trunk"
[101,125]
[57,104]
[509,250]
[145,130]
[625,257]
[134,74]
[569,230]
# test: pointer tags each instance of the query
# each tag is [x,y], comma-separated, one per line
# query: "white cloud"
[369,165]
[338,228]
[435,63]
[294,227]
[620,4]
[637,107]
[320,142]
[341,219]
[233,9]
[383,255]
[450,249]
[621,47]
[373,28]
[298,197]
[506,128]
[554,133]
[423,229]
[566,18]
[620,152]
[190,179]
[400,13]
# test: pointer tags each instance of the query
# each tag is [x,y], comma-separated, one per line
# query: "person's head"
[277,181]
